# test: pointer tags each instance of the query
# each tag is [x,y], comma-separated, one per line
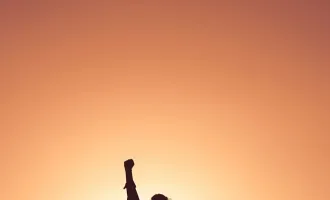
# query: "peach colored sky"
[226,100]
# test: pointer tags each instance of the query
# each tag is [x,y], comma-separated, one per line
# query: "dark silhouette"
[159,197]
[131,187]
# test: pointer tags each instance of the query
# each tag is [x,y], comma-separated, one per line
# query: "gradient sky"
[226,100]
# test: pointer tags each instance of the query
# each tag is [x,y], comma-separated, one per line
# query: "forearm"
[130,186]
[129,176]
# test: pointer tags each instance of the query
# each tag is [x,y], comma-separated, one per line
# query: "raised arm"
[130,185]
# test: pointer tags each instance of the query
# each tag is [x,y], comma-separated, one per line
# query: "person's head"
[159,197]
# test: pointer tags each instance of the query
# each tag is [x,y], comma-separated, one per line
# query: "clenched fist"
[129,164]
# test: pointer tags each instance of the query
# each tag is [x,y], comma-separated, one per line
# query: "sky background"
[225,100]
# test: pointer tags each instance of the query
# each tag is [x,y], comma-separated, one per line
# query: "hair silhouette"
[159,197]
[130,184]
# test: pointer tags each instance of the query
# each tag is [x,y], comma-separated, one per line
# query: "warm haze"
[224,101]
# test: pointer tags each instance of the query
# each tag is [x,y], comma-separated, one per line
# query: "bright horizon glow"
[212,99]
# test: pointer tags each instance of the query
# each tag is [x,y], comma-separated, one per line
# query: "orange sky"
[228,101]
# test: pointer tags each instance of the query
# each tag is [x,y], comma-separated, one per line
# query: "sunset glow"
[223,101]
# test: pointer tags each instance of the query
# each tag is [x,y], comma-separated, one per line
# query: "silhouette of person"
[131,187]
